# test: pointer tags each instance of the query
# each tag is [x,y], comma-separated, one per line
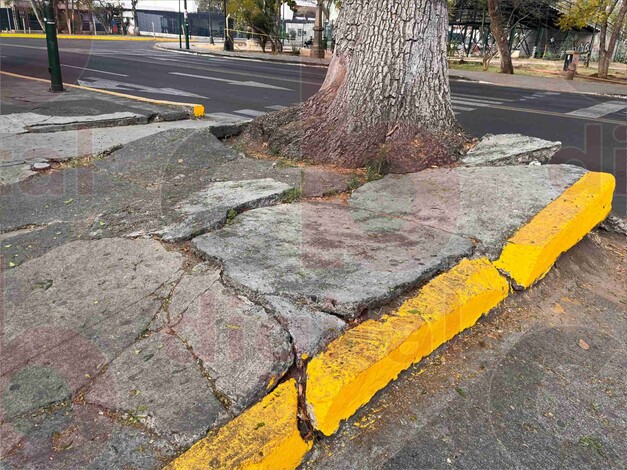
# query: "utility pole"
[317,48]
[186,22]
[54,63]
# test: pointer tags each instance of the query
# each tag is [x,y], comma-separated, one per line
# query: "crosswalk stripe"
[480,99]
[475,100]
[461,108]
[472,103]
[222,116]
[276,107]
[600,110]
[250,112]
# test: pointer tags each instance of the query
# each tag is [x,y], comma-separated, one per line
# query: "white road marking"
[225,116]
[461,108]
[600,110]
[231,81]
[113,85]
[276,107]
[94,70]
[475,100]
[250,112]
[480,98]
[471,103]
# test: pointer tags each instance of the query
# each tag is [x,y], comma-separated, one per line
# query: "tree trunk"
[135,18]
[36,11]
[386,96]
[608,52]
[500,36]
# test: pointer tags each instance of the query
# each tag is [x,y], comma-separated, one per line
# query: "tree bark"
[386,96]
[500,33]
[606,53]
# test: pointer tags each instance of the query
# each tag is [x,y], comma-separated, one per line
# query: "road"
[537,384]
[592,129]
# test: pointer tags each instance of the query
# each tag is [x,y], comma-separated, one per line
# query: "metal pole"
[186,22]
[179,23]
[54,63]
[211,41]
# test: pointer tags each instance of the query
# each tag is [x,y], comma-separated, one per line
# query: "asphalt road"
[594,135]
[537,384]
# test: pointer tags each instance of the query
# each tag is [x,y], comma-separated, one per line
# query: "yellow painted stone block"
[265,436]
[366,358]
[531,252]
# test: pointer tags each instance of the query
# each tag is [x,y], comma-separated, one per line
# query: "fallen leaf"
[68,201]
[45,284]
[11,264]
[583,345]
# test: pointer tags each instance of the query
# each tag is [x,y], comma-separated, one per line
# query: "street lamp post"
[186,24]
[228,44]
[317,48]
[54,63]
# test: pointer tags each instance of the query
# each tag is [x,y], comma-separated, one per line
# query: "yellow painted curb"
[354,367]
[531,252]
[88,37]
[198,110]
[265,436]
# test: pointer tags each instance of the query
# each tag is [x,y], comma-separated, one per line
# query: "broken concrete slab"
[69,312]
[487,204]
[510,149]
[241,346]
[180,408]
[211,207]
[329,254]
[80,436]
[311,330]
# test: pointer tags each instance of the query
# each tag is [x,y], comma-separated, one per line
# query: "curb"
[196,110]
[239,56]
[264,436]
[528,256]
[355,366]
[87,37]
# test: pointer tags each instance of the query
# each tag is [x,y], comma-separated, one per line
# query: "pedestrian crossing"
[244,114]
[467,102]
[461,103]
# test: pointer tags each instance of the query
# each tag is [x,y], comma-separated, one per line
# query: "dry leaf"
[583,345]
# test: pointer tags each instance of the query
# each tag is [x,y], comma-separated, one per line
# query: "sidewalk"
[38,127]
[176,286]
[207,49]
[542,83]
[517,81]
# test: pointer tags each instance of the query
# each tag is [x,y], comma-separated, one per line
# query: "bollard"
[54,63]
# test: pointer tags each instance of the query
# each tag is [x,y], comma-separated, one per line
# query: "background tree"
[386,96]
[136,31]
[262,18]
[608,16]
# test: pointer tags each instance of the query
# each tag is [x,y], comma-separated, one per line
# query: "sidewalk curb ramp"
[355,366]
[195,110]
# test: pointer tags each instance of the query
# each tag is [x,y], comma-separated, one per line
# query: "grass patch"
[292,195]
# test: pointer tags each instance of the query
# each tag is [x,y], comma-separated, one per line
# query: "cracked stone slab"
[311,330]
[209,208]
[340,259]
[242,347]
[69,312]
[33,122]
[510,149]
[487,204]
[158,381]
[80,436]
